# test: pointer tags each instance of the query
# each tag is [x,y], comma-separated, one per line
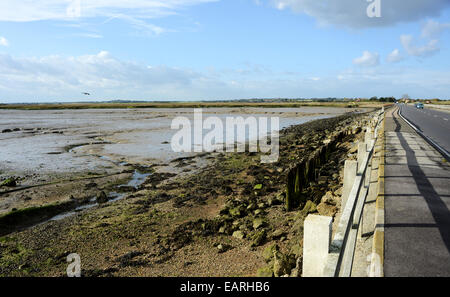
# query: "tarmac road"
[433,123]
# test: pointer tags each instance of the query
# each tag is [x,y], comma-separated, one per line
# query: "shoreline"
[164,222]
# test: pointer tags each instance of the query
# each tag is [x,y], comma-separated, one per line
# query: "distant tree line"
[383,99]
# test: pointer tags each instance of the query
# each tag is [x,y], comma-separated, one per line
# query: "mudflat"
[106,185]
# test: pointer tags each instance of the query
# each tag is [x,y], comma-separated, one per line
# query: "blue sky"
[53,50]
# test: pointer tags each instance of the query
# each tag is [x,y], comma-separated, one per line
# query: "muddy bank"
[199,224]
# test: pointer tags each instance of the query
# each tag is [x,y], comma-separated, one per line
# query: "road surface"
[417,198]
[434,124]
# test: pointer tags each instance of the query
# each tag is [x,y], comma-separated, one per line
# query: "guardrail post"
[368,136]
[350,170]
[362,152]
[316,244]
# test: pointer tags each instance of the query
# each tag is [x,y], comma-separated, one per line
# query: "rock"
[296,249]
[223,248]
[235,212]
[261,205]
[296,271]
[6,131]
[9,182]
[310,207]
[282,264]
[268,252]
[258,212]
[238,234]
[277,234]
[326,209]
[251,206]
[328,198]
[278,264]
[101,197]
[258,238]
[265,272]
[258,187]
[258,222]
[338,192]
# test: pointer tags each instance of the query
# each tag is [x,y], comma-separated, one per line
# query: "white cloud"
[60,78]
[137,12]
[368,59]
[394,57]
[3,41]
[413,49]
[31,10]
[352,13]
[100,73]
[433,29]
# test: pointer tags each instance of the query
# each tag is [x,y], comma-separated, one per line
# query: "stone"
[258,222]
[251,206]
[265,272]
[328,198]
[282,264]
[223,248]
[101,197]
[327,210]
[268,252]
[258,238]
[238,234]
[310,207]
[235,212]
[258,187]
[277,234]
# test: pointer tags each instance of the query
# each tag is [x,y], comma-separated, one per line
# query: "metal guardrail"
[339,253]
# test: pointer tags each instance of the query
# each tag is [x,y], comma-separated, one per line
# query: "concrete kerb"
[377,255]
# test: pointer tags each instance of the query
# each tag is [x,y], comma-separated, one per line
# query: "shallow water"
[54,141]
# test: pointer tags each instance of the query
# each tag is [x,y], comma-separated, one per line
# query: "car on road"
[419,105]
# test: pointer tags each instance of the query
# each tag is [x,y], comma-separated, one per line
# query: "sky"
[55,50]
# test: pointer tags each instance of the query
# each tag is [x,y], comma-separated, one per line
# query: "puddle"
[136,181]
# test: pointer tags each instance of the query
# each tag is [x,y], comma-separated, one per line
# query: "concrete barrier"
[350,170]
[316,243]
[362,153]
[325,257]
